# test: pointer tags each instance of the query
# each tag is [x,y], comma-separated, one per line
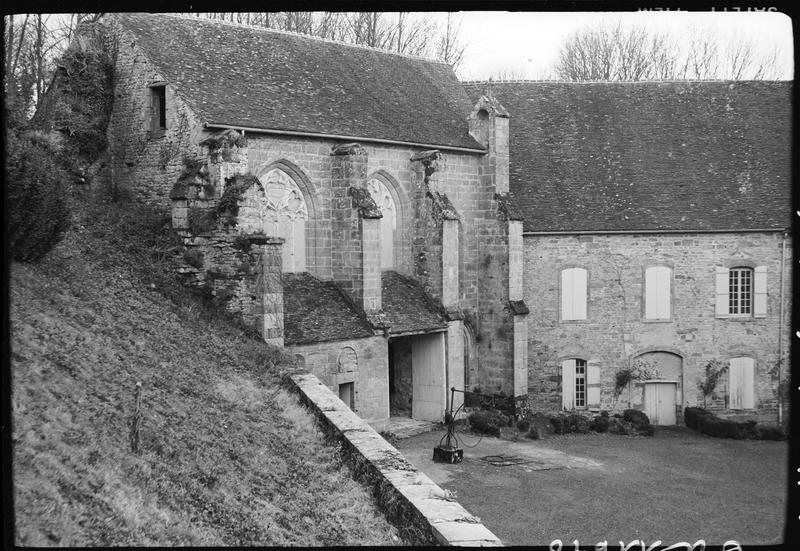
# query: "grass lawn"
[226,457]
[676,486]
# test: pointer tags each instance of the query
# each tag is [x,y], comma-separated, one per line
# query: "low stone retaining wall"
[422,511]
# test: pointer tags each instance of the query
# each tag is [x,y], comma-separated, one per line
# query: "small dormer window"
[483,114]
[158,108]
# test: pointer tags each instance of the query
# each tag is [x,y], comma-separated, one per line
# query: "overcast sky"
[528,42]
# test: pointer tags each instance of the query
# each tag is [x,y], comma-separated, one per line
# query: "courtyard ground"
[675,486]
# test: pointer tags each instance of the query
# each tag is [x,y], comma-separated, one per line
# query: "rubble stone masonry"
[615,331]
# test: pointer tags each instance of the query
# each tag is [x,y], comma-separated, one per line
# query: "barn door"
[428,377]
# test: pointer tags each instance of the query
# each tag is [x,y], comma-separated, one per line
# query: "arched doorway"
[662,385]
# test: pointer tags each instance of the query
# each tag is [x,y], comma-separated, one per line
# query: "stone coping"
[424,512]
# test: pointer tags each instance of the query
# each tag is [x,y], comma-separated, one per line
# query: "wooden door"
[429,394]
[659,402]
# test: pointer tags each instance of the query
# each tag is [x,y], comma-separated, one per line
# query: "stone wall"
[482,238]
[145,163]
[364,362]
[615,332]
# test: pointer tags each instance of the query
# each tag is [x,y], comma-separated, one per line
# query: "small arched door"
[663,386]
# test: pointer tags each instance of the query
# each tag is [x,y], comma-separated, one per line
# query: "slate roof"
[316,311]
[650,155]
[259,78]
[408,307]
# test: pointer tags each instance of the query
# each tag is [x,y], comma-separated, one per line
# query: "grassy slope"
[226,457]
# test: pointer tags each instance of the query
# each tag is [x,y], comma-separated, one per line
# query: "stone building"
[351,203]
[375,216]
[656,237]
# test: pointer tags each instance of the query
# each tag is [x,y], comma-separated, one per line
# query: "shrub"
[769,432]
[617,425]
[487,421]
[37,204]
[721,428]
[201,220]
[690,415]
[523,425]
[636,418]
[194,258]
[568,423]
[600,423]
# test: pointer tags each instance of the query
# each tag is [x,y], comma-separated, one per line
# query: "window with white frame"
[741,291]
[657,293]
[741,382]
[573,294]
[580,384]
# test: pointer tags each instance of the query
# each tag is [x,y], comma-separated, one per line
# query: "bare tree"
[450,47]
[633,53]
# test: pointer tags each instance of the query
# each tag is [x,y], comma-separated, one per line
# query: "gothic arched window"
[286,217]
[383,198]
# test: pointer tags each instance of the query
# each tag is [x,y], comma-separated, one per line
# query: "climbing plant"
[713,371]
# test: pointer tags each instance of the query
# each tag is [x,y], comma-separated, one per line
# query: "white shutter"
[664,292]
[579,297]
[735,384]
[722,285]
[657,293]
[573,294]
[566,294]
[568,384]
[650,294]
[760,292]
[593,386]
[748,396]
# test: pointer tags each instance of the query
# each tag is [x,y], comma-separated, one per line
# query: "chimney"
[488,124]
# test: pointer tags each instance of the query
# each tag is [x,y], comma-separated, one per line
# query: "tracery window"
[383,198]
[286,216]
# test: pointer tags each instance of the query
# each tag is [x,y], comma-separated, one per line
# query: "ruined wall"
[615,332]
[144,163]
[482,239]
[363,362]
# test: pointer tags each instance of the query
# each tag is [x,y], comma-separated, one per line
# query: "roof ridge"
[298,34]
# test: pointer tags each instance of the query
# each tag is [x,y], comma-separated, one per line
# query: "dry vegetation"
[226,457]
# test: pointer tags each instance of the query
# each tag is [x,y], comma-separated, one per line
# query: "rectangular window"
[574,384]
[657,295]
[741,382]
[347,395]
[158,108]
[740,291]
[580,383]
[573,294]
